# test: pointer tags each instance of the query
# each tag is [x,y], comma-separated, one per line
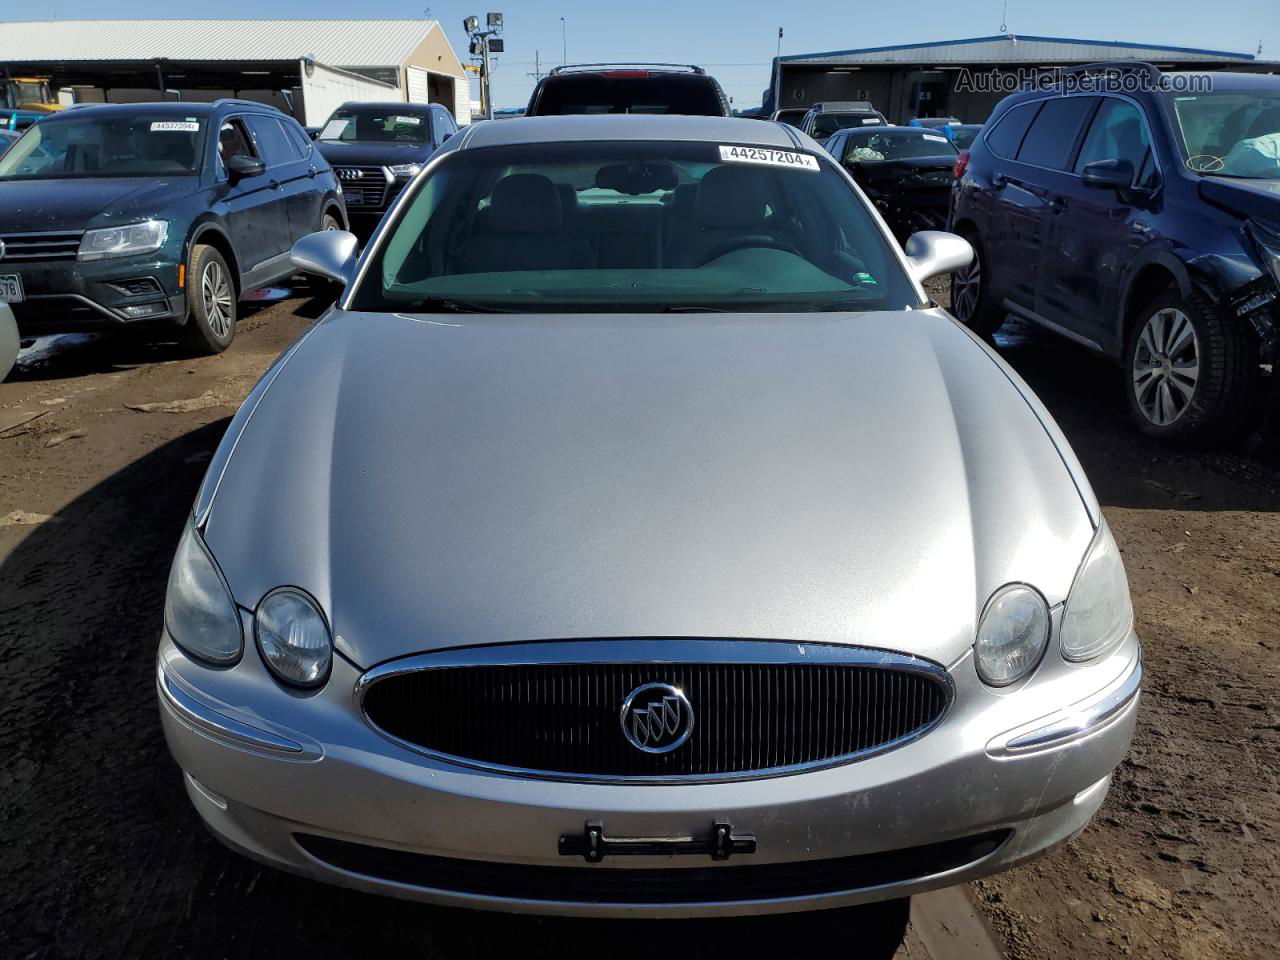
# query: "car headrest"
[524,203]
[730,197]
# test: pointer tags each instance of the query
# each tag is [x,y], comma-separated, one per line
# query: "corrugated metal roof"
[1018,50]
[343,43]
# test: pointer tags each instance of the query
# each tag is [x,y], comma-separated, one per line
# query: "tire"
[1190,372]
[211,300]
[971,301]
[329,221]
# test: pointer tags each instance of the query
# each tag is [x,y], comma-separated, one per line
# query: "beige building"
[305,67]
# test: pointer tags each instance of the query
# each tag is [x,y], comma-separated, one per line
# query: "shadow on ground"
[105,857]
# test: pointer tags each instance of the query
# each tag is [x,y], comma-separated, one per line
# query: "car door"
[1032,186]
[287,177]
[1094,233]
[998,203]
[253,207]
[443,126]
[306,196]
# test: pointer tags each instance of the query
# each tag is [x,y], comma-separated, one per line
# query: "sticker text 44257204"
[769,157]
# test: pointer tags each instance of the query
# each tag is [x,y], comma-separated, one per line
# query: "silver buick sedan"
[635,537]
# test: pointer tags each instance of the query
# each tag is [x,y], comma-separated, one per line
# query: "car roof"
[179,108]
[388,105]
[519,130]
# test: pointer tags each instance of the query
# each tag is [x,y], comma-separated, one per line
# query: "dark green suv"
[156,216]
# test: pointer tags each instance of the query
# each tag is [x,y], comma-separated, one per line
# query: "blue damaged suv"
[1137,214]
[156,217]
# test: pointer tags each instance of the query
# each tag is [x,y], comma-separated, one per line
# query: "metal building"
[305,67]
[924,79]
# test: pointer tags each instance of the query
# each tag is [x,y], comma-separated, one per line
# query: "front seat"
[523,230]
[731,203]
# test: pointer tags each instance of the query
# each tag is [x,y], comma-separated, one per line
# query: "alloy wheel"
[1166,366]
[966,285]
[215,290]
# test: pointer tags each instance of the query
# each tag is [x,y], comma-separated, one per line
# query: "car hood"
[848,478]
[372,154]
[1252,198]
[75,204]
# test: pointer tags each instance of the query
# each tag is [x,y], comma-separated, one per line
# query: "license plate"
[11,288]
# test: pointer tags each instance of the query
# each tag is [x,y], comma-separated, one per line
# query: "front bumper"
[302,783]
[64,296]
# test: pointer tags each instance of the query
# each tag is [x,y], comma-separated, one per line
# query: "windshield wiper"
[448,305]
[687,308]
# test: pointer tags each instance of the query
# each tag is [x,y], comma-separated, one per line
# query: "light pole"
[483,43]
[564,44]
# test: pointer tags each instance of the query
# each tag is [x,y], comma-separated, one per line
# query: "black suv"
[628,88]
[1137,213]
[377,148]
[151,216]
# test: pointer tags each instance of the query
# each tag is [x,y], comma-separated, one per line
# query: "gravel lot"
[101,449]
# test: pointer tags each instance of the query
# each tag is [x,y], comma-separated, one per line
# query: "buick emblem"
[656,717]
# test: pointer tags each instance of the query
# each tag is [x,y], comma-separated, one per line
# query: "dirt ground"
[101,450]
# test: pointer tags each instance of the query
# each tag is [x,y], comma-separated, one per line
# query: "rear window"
[1054,132]
[869,146]
[691,95]
[1005,138]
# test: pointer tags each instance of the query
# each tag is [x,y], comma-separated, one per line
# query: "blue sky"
[737,40]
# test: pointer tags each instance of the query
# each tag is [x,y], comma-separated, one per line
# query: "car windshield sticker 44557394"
[769,157]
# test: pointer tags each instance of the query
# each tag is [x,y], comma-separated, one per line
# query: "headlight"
[123,241]
[405,170]
[1012,634]
[199,613]
[293,637]
[1098,613]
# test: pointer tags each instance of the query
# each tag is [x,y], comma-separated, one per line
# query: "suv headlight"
[1012,634]
[293,637]
[199,613]
[125,241]
[1099,613]
[405,170]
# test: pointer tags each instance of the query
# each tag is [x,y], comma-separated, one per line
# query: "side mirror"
[1108,174]
[239,167]
[934,252]
[330,254]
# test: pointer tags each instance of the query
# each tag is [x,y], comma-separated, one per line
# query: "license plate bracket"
[11,288]
[593,844]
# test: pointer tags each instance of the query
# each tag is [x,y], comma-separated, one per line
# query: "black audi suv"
[377,148]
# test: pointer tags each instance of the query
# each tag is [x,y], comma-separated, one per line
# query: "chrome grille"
[562,719]
[60,245]
[363,186]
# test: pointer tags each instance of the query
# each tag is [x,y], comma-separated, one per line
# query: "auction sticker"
[411,121]
[768,157]
[935,137]
[176,126]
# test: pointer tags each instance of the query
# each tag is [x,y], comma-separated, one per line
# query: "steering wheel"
[758,241]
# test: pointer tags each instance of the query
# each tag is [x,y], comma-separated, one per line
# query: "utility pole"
[537,68]
[564,44]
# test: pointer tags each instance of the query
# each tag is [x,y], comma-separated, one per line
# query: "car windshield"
[963,136]
[392,124]
[1233,133]
[94,143]
[691,95]
[868,146]
[825,124]
[633,227]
